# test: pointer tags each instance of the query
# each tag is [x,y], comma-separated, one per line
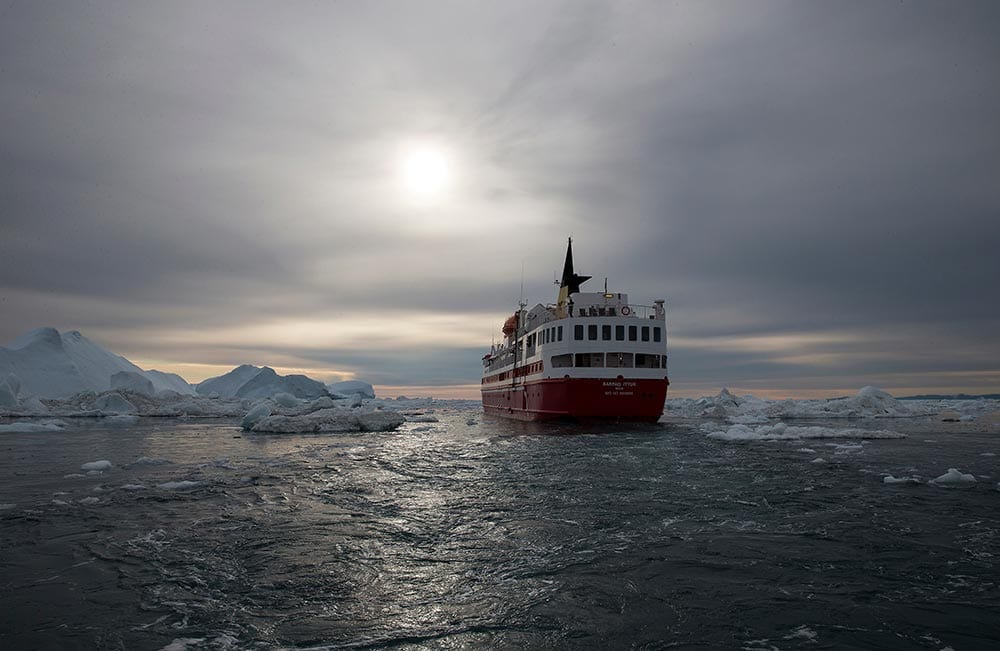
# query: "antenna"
[521,300]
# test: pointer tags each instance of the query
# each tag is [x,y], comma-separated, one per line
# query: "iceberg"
[250,382]
[350,388]
[132,381]
[954,476]
[50,364]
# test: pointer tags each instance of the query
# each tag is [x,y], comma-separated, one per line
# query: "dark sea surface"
[472,532]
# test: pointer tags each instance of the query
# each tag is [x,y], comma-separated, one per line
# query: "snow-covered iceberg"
[319,415]
[50,364]
[254,382]
[351,388]
[870,402]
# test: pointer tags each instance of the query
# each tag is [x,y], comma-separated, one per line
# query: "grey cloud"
[771,167]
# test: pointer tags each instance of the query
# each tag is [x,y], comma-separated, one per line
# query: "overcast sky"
[814,188]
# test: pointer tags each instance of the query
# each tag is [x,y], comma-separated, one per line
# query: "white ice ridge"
[869,402]
[784,432]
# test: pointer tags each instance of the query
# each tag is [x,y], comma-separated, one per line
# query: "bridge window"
[656,334]
[592,332]
[633,333]
[645,333]
[619,333]
[606,332]
[578,332]
[559,333]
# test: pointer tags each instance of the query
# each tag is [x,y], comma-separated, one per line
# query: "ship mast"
[571,281]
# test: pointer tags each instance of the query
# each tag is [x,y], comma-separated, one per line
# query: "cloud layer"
[813,189]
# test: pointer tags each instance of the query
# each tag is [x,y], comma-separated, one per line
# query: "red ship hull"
[622,399]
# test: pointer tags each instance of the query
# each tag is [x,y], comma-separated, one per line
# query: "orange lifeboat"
[510,325]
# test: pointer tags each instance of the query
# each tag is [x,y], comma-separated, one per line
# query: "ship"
[591,356]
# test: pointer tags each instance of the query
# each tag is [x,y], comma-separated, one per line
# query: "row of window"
[545,336]
[528,369]
[609,360]
[635,333]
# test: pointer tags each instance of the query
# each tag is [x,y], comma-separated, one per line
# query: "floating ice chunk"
[5,507]
[889,479]
[44,426]
[806,450]
[331,420]
[151,461]
[133,487]
[953,476]
[183,643]
[351,387]
[988,454]
[259,411]
[781,431]
[99,466]
[818,460]
[179,485]
[802,633]
[90,500]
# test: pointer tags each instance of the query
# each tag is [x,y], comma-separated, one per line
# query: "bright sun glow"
[424,171]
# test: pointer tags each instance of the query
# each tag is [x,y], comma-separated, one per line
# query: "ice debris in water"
[953,476]
[320,415]
[25,427]
[870,402]
[802,633]
[179,485]
[782,432]
[99,466]
[151,461]
[260,410]
[889,479]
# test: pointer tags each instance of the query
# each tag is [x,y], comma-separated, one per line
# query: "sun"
[424,171]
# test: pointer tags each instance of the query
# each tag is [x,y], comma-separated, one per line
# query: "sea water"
[472,532]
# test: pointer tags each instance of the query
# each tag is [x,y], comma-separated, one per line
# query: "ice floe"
[100,466]
[889,479]
[182,485]
[43,426]
[954,476]
[785,432]
[330,420]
